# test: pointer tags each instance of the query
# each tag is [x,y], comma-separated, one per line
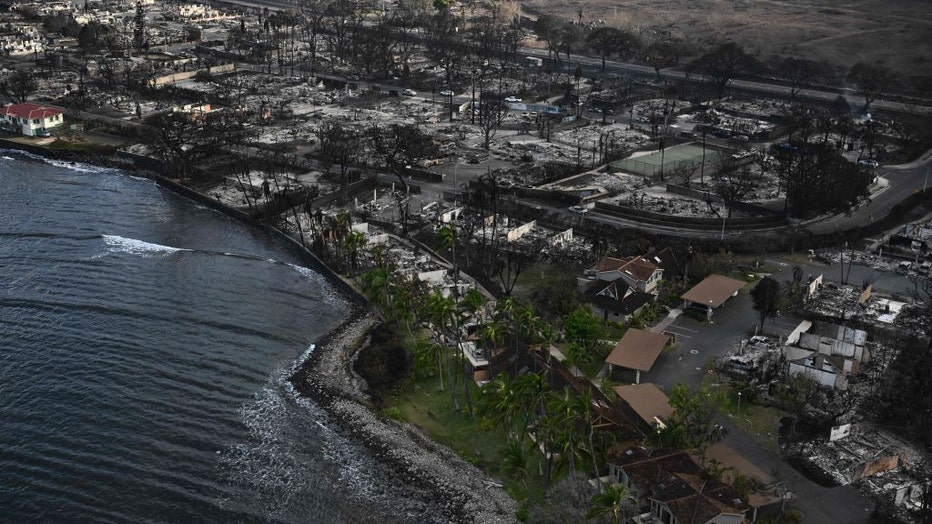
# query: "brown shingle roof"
[639,268]
[714,290]
[638,349]
[609,263]
[646,400]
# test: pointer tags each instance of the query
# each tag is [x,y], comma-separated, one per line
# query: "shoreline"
[465,493]
[437,474]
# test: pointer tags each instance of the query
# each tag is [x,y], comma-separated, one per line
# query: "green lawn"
[423,404]
[760,423]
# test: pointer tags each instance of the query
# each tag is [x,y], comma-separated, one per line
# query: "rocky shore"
[466,494]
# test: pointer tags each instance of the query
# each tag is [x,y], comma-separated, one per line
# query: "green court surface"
[671,157]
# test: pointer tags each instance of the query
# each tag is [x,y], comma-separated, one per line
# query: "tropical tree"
[798,72]
[872,80]
[614,501]
[603,40]
[550,29]
[723,63]
[766,295]
[426,354]
[353,242]
[515,459]
[441,312]
[583,328]
[693,421]
[566,416]
[503,405]
[663,54]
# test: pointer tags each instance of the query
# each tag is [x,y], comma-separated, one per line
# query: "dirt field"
[897,33]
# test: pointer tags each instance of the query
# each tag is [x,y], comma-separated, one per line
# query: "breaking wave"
[137,247]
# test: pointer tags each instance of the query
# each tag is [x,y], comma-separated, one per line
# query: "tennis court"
[672,159]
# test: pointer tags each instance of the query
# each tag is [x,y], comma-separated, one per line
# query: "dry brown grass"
[897,33]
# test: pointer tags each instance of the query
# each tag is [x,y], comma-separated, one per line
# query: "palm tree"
[352,243]
[502,404]
[492,333]
[584,406]
[615,501]
[447,238]
[567,413]
[515,459]
[427,352]
[441,312]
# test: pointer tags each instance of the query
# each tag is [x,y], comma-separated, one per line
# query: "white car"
[513,99]
[446,92]
[868,162]
[409,92]
[578,209]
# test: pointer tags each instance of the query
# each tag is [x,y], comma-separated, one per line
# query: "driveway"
[736,319]
[699,341]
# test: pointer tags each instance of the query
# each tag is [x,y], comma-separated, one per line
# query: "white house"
[638,272]
[31,118]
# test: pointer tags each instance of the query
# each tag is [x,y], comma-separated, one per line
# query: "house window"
[35,121]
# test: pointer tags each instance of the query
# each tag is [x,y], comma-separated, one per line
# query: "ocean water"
[145,346]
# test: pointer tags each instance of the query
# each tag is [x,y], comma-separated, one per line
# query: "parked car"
[446,92]
[513,99]
[868,162]
[409,92]
[578,209]
[43,133]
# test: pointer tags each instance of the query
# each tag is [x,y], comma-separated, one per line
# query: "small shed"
[711,293]
[638,350]
[647,401]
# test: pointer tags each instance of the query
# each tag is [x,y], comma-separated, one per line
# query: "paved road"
[591,63]
[699,341]
[818,95]
[904,180]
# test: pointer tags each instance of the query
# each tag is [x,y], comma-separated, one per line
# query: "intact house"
[617,288]
[31,119]
[827,353]
[711,293]
[638,272]
[637,350]
[672,489]
[645,403]
[616,301]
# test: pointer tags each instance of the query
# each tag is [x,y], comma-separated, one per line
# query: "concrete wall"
[702,223]
[518,232]
[793,337]
[378,240]
[435,277]
[823,378]
[451,215]
[561,238]
[187,75]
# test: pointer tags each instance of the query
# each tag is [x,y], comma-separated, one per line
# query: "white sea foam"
[137,247]
[74,166]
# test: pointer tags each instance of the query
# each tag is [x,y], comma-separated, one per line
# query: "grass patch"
[423,404]
[67,146]
[760,423]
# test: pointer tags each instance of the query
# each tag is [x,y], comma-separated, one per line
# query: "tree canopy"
[766,295]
